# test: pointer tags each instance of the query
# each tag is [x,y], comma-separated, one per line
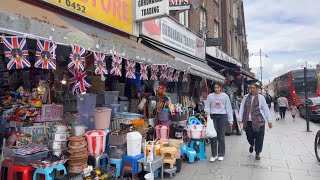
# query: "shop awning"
[37,22]
[220,55]
[197,68]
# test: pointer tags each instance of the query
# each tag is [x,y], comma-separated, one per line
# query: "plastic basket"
[164,115]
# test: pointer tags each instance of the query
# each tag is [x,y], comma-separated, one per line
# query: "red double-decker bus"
[291,85]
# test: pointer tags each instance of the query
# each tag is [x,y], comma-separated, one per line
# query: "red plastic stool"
[26,171]
[5,166]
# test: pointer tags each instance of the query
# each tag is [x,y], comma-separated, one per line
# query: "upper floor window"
[216,29]
[203,18]
[184,18]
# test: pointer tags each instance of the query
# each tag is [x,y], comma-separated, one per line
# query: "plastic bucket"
[96,142]
[149,176]
[134,143]
[102,117]
[162,132]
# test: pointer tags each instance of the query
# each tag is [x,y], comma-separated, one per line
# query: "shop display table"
[156,164]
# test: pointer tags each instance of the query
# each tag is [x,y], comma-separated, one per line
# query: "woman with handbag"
[218,106]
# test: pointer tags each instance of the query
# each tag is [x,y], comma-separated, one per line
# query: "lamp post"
[261,67]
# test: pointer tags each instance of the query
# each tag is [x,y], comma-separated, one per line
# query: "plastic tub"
[119,87]
[86,103]
[111,97]
[115,109]
[118,138]
[196,131]
[134,143]
[124,106]
[24,160]
[96,142]
[164,115]
[102,118]
[118,152]
[86,120]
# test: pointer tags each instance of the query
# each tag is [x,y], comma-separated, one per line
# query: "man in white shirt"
[254,112]
[283,106]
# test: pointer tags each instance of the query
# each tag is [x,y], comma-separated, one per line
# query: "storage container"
[100,100]
[162,132]
[164,115]
[24,160]
[57,145]
[111,97]
[58,136]
[96,142]
[115,109]
[118,137]
[79,130]
[196,131]
[134,143]
[119,87]
[124,106]
[85,119]
[179,116]
[102,118]
[118,152]
[86,103]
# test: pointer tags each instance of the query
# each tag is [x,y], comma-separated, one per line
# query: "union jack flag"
[185,76]
[154,72]
[16,52]
[77,60]
[144,71]
[176,76]
[78,81]
[164,72]
[131,69]
[101,67]
[170,74]
[116,65]
[46,55]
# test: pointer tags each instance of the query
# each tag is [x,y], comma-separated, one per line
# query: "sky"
[287,31]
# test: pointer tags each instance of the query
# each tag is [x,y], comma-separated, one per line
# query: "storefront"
[77,87]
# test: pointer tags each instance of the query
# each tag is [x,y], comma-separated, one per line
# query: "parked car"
[314,109]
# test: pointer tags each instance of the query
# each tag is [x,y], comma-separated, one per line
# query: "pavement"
[288,154]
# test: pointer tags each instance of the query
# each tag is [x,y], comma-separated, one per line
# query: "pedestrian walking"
[218,105]
[254,112]
[276,108]
[294,111]
[283,106]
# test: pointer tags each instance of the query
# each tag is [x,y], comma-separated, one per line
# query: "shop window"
[216,29]
[184,18]
[203,19]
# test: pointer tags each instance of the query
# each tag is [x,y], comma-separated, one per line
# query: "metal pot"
[78,130]
[57,145]
[58,136]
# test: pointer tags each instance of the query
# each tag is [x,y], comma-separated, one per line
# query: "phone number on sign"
[74,5]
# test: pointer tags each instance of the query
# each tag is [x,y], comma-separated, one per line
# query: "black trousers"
[255,138]
[218,146]
[283,112]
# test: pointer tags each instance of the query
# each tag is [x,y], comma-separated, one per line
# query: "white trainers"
[220,158]
[213,159]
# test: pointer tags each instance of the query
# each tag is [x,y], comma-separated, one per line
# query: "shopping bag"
[210,130]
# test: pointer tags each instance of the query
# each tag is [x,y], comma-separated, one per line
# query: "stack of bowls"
[58,140]
[78,154]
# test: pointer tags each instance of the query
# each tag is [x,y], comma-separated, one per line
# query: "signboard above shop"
[151,9]
[218,54]
[179,5]
[170,33]
[114,13]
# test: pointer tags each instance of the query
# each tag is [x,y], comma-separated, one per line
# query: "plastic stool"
[190,152]
[201,150]
[5,166]
[48,172]
[26,171]
[118,163]
[100,161]
[171,171]
[130,164]
[156,173]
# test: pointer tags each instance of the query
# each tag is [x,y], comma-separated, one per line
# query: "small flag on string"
[16,52]
[77,59]
[100,64]
[164,72]
[131,69]
[116,65]
[144,71]
[176,76]
[46,56]
[154,72]
[185,76]
[78,81]
[73,75]
[170,74]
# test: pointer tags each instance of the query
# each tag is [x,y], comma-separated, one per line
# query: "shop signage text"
[217,53]
[151,9]
[114,13]
[170,33]
[179,5]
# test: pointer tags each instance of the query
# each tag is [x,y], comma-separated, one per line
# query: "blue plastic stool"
[100,161]
[156,173]
[130,164]
[199,146]
[118,163]
[48,172]
[190,152]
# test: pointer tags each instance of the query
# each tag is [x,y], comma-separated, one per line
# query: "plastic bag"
[210,130]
